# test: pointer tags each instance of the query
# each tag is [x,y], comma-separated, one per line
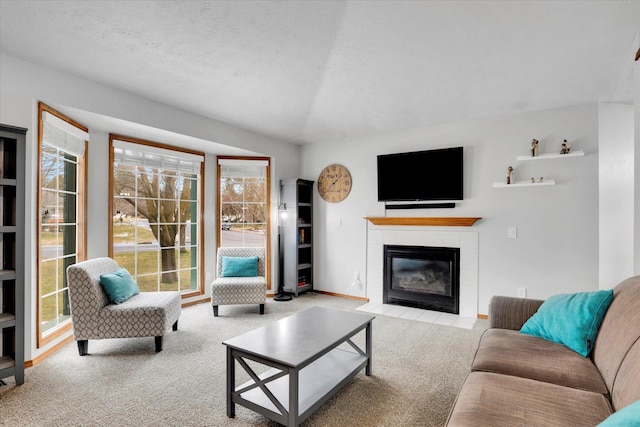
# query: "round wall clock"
[334,183]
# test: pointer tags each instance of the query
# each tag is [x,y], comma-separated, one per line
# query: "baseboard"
[334,294]
[48,352]
[196,302]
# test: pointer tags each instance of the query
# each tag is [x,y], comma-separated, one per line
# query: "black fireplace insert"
[422,276]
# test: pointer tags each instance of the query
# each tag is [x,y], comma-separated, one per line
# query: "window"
[61,224]
[243,203]
[156,225]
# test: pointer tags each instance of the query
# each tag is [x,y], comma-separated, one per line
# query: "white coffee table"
[307,368]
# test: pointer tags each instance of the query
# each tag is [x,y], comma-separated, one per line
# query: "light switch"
[512,232]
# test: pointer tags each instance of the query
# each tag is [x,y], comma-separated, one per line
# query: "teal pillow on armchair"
[119,285]
[570,319]
[239,266]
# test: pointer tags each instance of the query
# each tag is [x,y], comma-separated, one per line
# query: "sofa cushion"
[148,314]
[495,400]
[509,352]
[239,266]
[570,319]
[119,285]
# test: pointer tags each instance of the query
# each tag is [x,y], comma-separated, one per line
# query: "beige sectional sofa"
[523,380]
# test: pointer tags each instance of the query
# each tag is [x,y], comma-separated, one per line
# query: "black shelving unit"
[12,217]
[297,234]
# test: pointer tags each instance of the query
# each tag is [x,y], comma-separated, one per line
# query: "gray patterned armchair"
[239,290]
[94,317]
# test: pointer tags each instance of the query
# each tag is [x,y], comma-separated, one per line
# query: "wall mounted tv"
[421,176]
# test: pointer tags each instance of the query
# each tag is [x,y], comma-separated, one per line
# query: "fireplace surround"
[422,276]
[425,232]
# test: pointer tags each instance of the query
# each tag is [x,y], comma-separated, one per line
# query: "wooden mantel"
[433,221]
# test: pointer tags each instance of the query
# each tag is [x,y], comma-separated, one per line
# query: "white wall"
[616,193]
[556,249]
[23,84]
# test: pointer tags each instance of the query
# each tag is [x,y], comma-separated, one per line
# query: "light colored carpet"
[418,369]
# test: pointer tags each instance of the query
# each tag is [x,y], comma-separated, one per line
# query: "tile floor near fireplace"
[418,314]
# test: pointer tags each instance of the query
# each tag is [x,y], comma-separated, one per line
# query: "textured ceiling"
[313,71]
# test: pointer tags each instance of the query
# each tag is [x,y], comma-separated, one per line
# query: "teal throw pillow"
[119,285]
[629,416]
[570,319]
[239,266]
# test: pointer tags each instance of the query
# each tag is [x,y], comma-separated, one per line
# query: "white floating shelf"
[524,184]
[552,156]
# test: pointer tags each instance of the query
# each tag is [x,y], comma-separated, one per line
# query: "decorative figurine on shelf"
[565,148]
[533,180]
[541,179]
[534,147]
[510,175]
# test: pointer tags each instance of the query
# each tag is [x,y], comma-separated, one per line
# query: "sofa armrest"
[510,312]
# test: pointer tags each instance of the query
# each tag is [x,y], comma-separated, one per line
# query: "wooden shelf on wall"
[424,221]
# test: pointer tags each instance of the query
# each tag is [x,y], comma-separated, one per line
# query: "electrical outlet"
[522,292]
[512,232]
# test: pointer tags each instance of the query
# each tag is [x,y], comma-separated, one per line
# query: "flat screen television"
[420,175]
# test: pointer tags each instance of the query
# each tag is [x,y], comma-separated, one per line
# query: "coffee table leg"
[293,397]
[369,344]
[231,383]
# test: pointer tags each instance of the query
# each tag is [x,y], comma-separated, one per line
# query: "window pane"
[125,233]
[189,186]
[64,311]
[155,219]
[48,275]
[60,201]
[48,312]
[243,205]
[125,259]
[48,168]
[231,189]
[148,283]
[254,190]
[67,179]
[146,261]
[147,208]
[188,211]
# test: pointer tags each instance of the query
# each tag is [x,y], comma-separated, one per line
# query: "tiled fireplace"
[421,235]
[422,276]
